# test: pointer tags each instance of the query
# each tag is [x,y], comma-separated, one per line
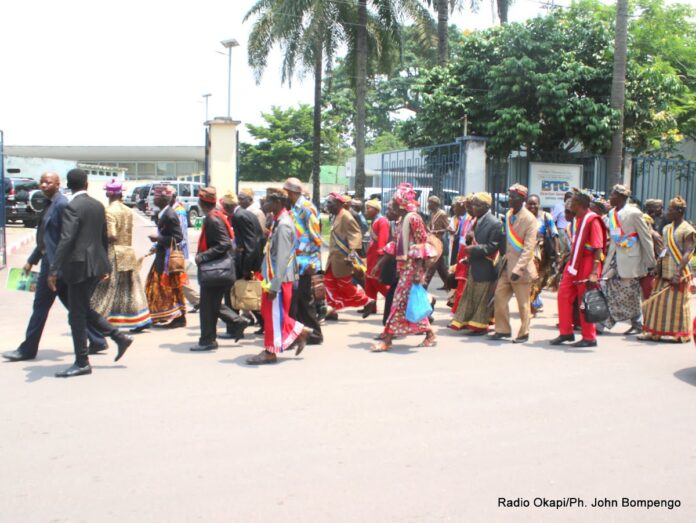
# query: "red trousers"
[568,292]
[280,330]
[341,292]
[374,286]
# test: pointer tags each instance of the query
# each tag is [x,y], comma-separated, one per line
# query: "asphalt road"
[341,434]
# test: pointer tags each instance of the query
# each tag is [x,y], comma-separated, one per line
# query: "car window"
[185,190]
[195,190]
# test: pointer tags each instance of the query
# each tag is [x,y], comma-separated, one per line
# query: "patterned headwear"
[113,187]
[653,202]
[276,193]
[406,198]
[584,194]
[208,195]
[247,191]
[293,185]
[622,190]
[230,198]
[338,196]
[375,204]
[519,189]
[678,203]
[483,197]
[434,199]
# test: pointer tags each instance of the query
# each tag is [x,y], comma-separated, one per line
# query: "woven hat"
[230,198]
[293,185]
[208,195]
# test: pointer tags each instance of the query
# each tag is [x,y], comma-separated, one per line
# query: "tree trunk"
[442,30]
[360,96]
[618,87]
[503,11]
[316,144]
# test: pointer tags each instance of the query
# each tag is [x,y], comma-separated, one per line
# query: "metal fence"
[433,171]
[663,179]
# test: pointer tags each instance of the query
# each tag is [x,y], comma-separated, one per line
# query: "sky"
[80,72]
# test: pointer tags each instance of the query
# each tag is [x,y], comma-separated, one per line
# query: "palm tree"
[443,9]
[618,88]
[309,32]
[503,6]
[376,31]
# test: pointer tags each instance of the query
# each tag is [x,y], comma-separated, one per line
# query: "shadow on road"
[687,375]
[241,360]
[37,372]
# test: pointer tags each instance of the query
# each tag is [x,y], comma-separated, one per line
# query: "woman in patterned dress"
[412,253]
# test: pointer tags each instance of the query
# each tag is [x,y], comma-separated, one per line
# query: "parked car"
[23,201]
[187,193]
[140,197]
[131,199]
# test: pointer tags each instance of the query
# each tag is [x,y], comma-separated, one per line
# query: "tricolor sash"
[674,249]
[513,237]
[617,233]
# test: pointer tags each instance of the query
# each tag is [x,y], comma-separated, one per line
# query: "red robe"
[379,239]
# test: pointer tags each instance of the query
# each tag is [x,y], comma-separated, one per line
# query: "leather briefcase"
[247,295]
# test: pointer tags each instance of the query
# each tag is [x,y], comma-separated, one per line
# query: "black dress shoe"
[584,343]
[123,341]
[176,323]
[194,309]
[138,330]
[96,349]
[477,333]
[562,338]
[499,335]
[16,355]
[370,308]
[331,317]
[73,371]
[521,339]
[203,348]
[314,340]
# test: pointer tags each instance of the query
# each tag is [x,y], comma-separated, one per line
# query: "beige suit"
[521,263]
[348,231]
[633,261]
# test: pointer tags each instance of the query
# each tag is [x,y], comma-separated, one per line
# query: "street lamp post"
[229,44]
[206,96]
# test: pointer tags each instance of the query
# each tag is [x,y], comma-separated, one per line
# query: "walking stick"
[657,294]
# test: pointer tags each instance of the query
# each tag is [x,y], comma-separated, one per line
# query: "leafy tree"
[284,146]
[443,8]
[544,85]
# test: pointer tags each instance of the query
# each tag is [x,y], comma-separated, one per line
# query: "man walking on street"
[582,270]
[519,271]
[82,258]
[47,238]
[308,254]
[438,225]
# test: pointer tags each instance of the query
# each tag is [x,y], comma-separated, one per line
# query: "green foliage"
[284,146]
[386,142]
[546,85]
[387,93]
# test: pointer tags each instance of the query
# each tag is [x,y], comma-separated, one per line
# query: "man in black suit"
[82,258]
[247,236]
[47,238]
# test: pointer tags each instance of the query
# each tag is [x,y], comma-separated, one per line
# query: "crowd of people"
[271,253]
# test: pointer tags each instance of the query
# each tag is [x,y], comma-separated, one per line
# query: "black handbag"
[594,306]
[217,273]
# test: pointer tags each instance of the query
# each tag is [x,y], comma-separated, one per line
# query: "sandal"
[380,347]
[428,342]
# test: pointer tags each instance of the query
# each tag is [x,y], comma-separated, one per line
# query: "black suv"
[23,201]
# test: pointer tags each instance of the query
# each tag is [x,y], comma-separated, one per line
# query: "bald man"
[47,238]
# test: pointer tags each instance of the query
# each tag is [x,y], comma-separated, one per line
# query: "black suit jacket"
[217,239]
[169,231]
[82,251]
[488,232]
[247,235]
[48,232]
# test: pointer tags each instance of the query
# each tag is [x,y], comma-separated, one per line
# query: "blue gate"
[433,171]
[663,179]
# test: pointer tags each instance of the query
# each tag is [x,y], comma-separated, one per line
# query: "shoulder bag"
[217,273]
[176,263]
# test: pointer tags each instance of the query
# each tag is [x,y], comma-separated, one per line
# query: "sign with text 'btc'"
[552,180]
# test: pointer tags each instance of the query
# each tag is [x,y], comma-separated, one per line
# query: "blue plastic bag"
[418,306]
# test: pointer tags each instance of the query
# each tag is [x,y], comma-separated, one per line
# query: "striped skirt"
[280,330]
[165,296]
[667,312]
[475,309]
